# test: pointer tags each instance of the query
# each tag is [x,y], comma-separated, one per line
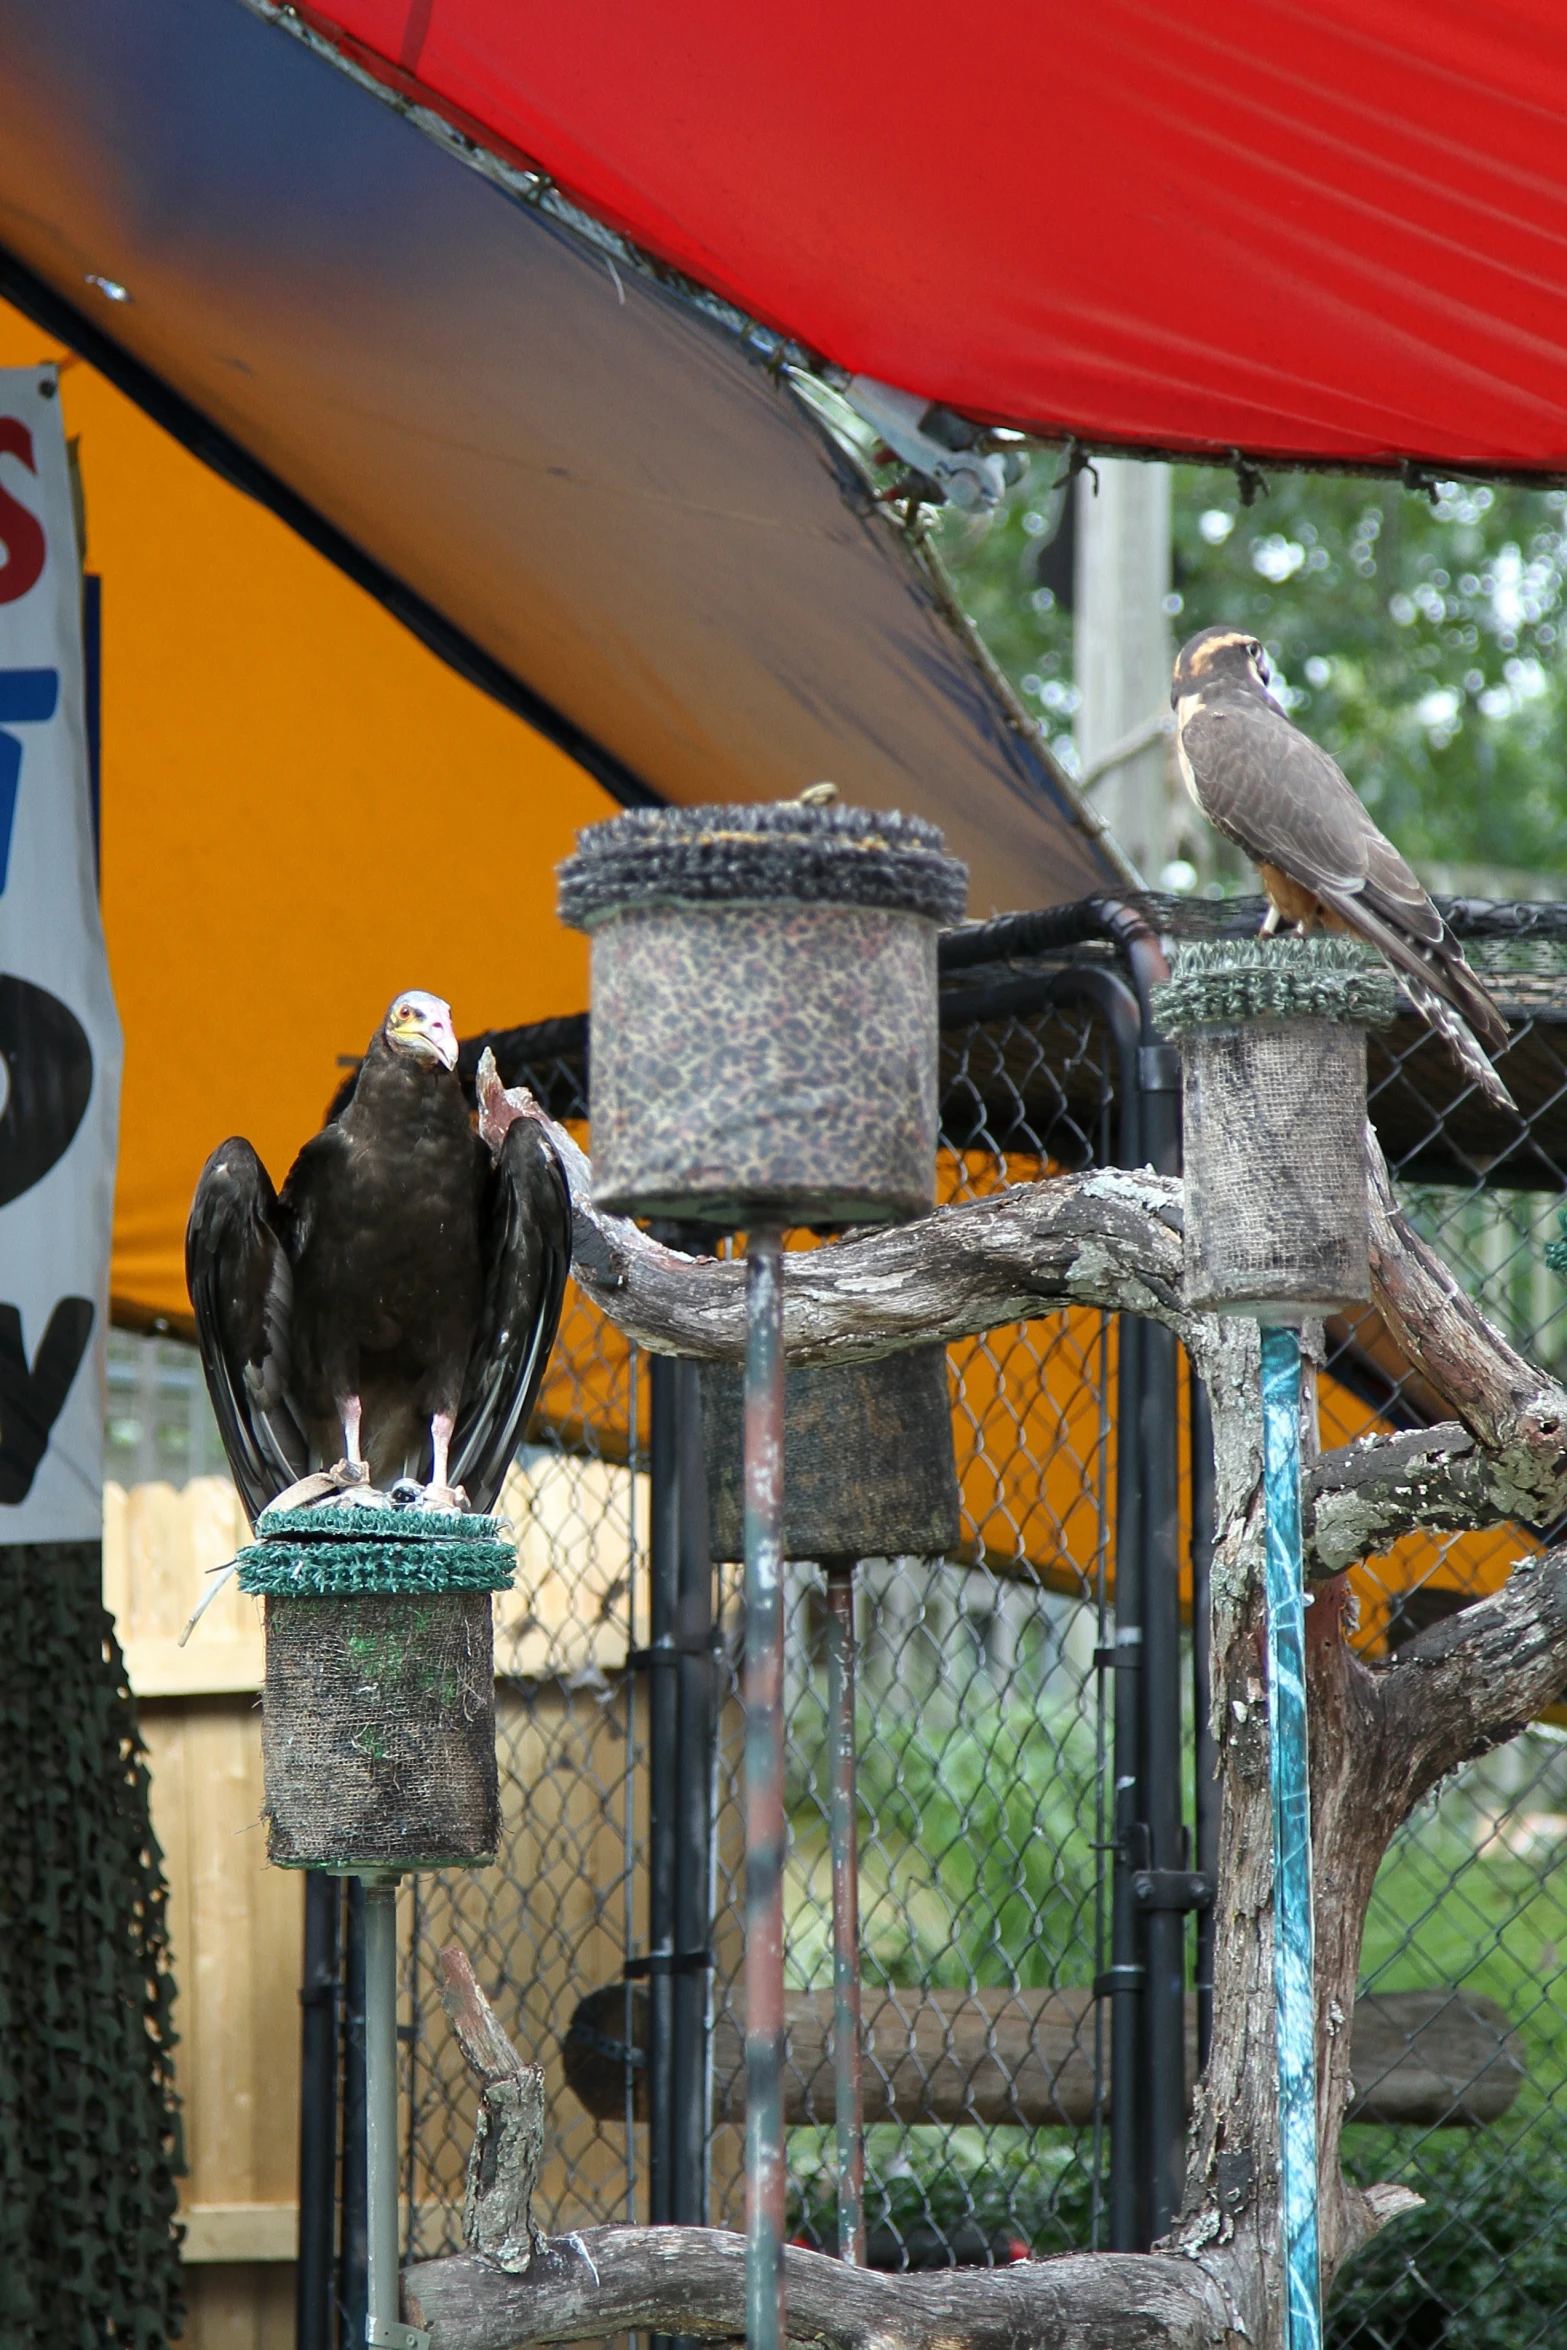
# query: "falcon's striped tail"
[1459,1038]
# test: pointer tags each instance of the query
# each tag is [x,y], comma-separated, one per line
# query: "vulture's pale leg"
[350,1412]
[1270,922]
[438,1495]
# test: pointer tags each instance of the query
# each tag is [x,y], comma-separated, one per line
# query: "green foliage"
[1483,2266]
[1423,643]
[996,573]
[1023,2188]
[975,1842]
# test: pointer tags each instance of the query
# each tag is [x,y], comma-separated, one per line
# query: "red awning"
[1333,228]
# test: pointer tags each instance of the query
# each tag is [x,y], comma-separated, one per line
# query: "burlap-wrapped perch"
[764,1010]
[1272,1034]
[868,1460]
[378,1719]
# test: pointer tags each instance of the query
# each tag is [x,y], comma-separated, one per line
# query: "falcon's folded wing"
[1279,796]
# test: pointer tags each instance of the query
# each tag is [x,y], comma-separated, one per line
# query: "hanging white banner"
[59,1031]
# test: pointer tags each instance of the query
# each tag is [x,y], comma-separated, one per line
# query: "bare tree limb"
[616,2280]
[508,2138]
[1112,1240]
[1466,1685]
[1108,1239]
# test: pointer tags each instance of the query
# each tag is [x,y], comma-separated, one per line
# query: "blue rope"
[1294,2002]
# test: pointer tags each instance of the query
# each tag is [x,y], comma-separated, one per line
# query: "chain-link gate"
[987,1726]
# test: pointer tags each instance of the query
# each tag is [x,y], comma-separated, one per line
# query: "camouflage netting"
[89,2132]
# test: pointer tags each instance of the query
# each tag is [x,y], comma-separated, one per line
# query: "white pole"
[1123,652]
[384,2329]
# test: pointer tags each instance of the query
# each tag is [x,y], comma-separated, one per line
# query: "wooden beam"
[1428,2057]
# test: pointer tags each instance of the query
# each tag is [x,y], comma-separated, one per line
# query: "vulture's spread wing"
[1278,796]
[527,1259]
[241,1287]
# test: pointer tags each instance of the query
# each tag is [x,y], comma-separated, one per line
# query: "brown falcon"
[1277,795]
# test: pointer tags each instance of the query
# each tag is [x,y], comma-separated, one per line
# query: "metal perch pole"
[1294,2001]
[845,1911]
[384,2327]
[764,1806]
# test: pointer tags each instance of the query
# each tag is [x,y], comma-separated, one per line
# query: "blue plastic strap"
[1294,2000]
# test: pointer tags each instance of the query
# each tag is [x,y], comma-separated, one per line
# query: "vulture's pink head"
[420,1025]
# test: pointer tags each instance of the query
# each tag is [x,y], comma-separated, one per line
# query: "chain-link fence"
[1472,1893]
[985,1731]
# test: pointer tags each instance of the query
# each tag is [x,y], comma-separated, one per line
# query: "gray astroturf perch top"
[756,854]
[1229,982]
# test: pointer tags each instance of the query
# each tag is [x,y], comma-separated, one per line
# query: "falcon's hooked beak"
[421,1026]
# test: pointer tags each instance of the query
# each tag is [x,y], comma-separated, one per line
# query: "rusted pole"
[846,2028]
[764,1801]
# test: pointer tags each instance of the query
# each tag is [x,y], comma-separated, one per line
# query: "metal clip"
[1172,1889]
[396,2336]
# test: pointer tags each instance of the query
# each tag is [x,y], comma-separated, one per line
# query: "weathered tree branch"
[508,2138]
[616,2280]
[1112,1240]
[1506,1461]
[1468,1684]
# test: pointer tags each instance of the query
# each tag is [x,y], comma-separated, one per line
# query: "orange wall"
[303,811]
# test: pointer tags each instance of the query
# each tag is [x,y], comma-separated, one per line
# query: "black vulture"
[393,1308]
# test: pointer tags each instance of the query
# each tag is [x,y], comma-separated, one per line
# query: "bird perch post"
[764,1053]
[378,1746]
[1273,1049]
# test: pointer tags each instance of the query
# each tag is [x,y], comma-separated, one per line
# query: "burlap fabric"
[764,1010]
[378,1718]
[868,1459]
[1273,1061]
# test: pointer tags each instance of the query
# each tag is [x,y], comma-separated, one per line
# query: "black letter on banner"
[30,1400]
[49,1063]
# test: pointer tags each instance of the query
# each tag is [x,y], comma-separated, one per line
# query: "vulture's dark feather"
[529,1257]
[241,1287]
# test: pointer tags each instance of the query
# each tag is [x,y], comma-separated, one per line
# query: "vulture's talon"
[441,1499]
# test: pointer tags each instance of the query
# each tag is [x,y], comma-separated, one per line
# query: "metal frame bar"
[384,2329]
[765,2183]
[844,1832]
[1205,1754]
[314,2318]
